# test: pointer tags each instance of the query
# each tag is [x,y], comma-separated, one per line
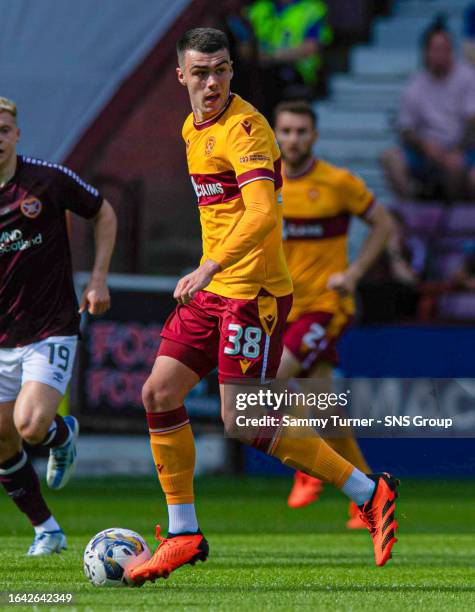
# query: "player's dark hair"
[205,40]
[298,107]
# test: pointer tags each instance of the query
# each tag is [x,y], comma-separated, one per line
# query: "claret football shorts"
[243,338]
[49,361]
[314,335]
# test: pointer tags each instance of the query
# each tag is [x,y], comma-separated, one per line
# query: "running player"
[39,319]
[319,201]
[232,309]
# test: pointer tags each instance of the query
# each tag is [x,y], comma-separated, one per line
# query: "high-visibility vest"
[276,29]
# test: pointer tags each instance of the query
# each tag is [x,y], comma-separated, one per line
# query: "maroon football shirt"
[37,297]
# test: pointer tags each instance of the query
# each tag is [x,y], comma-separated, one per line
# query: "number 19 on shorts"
[59,355]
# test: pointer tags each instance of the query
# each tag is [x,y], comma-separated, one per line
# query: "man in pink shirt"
[436,125]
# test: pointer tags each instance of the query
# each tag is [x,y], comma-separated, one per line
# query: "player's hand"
[343,282]
[189,285]
[95,298]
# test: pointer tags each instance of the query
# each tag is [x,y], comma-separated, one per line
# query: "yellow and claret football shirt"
[318,205]
[226,153]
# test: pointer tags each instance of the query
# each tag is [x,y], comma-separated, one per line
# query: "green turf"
[264,556]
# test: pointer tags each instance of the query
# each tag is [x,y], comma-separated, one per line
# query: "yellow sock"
[173,450]
[349,448]
[346,446]
[302,449]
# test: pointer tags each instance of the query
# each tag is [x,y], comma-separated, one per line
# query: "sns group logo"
[31,207]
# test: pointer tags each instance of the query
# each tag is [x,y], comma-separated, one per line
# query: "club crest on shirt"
[209,146]
[31,207]
[313,194]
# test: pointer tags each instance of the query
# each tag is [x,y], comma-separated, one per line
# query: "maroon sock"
[57,434]
[21,483]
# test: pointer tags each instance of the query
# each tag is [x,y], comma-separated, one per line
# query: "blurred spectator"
[437,126]
[404,259]
[290,35]
[469,33]
[231,17]
[390,290]
[406,256]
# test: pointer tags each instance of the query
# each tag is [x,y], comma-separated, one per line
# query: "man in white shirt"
[436,125]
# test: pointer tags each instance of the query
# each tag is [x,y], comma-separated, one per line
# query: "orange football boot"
[306,489]
[378,515]
[355,521]
[172,553]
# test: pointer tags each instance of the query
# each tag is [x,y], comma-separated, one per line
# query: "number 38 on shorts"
[252,338]
[243,341]
[243,338]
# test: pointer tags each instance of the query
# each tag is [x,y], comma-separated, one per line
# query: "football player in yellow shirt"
[232,311]
[319,202]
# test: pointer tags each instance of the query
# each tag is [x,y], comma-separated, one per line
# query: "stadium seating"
[357,123]
[365,101]
[458,306]
[445,230]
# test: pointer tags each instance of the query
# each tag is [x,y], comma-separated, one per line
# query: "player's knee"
[160,397]
[33,430]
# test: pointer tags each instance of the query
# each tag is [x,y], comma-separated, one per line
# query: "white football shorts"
[49,361]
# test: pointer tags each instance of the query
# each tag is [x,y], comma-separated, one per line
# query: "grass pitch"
[263,556]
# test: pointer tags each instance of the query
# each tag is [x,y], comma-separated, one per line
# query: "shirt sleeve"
[76,195]
[356,198]
[258,220]
[250,150]
[251,153]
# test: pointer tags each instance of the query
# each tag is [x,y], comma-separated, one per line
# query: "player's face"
[207,76]
[9,135]
[296,136]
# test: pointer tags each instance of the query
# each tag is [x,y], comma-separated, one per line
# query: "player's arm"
[356,199]
[381,227]
[250,137]
[95,297]
[258,219]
